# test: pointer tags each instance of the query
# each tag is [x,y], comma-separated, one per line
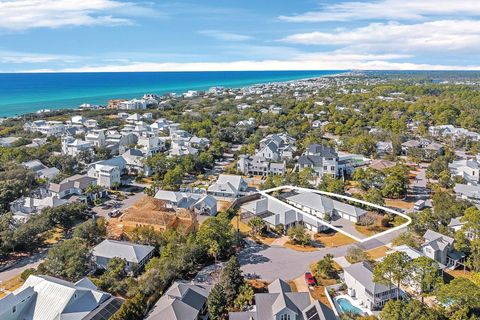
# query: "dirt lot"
[377,252]
[333,239]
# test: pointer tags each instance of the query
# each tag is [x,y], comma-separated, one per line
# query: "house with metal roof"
[275,213]
[321,158]
[468,192]
[322,206]
[49,298]
[360,286]
[182,301]
[230,186]
[468,169]
[199,203]
[280,303]
[136,255]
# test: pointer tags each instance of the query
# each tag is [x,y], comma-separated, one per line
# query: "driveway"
[124,204]
[272,262]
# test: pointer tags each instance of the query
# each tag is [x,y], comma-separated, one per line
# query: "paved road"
[273,262]
[31,262]
[125,204]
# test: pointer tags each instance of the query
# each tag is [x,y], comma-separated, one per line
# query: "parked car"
[310,279]
[114,213]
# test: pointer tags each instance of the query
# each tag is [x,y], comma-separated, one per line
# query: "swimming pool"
[347,307]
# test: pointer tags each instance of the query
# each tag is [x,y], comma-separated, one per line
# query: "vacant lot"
[333,239]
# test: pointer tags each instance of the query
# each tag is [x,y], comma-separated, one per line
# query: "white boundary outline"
[334,195]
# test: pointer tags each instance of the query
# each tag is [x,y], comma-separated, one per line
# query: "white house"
[360,286]
[468,169]
[136,255]
[230,186]
[107,176]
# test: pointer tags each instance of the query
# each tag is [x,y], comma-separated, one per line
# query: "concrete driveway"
[272,262]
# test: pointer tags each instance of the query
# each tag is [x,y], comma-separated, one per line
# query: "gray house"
[230,186]
[182,301]
[280,303]
[439,247]
[322,159]
[136,255]
[322,206]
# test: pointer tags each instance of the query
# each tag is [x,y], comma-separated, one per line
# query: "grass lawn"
[457,274]
[333,239]
[318,293]
[11,285]
[377,252]
[244,228]
[54,235]
[296,247]
[397,203]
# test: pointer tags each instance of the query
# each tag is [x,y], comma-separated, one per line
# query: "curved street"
[271,262]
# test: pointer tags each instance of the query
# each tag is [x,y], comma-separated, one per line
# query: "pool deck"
[353,302]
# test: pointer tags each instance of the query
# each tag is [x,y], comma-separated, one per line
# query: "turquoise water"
[23,93]
[346,306]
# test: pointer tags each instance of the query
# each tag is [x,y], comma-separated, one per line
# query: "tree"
[244,298]
[373,195]
[298,235]
[330,184]
[217,229]
[395,186]
[217,303]
[325,267]
[112,279]
[407,238]
[257,224]
[355,254]
[91,231]
[408,310]
[424,274]
[462,297]
[471,220]
[68,260]
[231,280]
[394,268]
[173,178]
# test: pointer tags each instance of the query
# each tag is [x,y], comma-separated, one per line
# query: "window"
[14,309]
[285,317]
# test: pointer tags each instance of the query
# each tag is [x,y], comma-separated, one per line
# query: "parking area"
[111,205]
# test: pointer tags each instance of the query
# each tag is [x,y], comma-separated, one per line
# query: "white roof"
[122,249]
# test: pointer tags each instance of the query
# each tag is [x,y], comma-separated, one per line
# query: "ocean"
[22,93]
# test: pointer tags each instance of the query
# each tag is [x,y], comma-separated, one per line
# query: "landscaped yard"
[242,226]
[333,239]
[377,252]
[10,285]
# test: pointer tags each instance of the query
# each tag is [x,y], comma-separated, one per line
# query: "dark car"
[310,279]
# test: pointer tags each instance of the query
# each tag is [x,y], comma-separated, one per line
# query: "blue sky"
[163,35]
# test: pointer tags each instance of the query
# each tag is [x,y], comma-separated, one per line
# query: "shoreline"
[180,90]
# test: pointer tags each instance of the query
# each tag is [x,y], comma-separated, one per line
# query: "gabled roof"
[362,273]
[49,298]
[324,204]
[122,249]
[321,150]
[182,301]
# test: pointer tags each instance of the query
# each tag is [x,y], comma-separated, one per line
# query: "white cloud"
[318,61]
[27,14]
[11,57]
[389,10]
[224,36]
[435,36]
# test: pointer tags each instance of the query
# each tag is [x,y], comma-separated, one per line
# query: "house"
[48,128]
[133,104]
[381,164]
[8,141]
[323,160]
[31,205]
[131,161]
[230,186]
[41,170]
[96,138]
[275,213]
[321,206]
[182,301]
[468,192]
[453,132]
[360,286]
[199,203]
[49,298]
[107,176]
[457,225]
[136,255]
[74,185]
[439,247]
[281,303]
[424,148]
[284,146]
[260,166]
[150,144]
[468,169]
[73,147]
[384,147]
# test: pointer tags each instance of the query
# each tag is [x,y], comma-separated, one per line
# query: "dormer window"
[285,317]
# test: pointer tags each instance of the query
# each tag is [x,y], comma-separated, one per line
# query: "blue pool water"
[346,306]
